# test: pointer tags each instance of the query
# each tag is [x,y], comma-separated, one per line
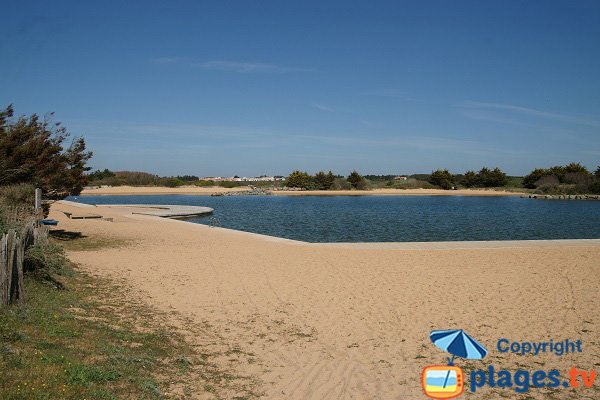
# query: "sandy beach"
[207,191]
[349,321]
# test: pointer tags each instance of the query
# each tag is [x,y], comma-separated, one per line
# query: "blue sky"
[249,88]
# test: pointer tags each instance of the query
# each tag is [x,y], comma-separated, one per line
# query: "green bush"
[594,188]
[357,181]
[172,182]
[45,259]
[229,184]
[573,178]
[442,178]
[204,183]
[299,179]
[323,181]
[340,184]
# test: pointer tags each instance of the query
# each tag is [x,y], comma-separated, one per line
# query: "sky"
[219,88]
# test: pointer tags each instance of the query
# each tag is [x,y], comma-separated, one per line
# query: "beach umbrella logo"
[447,381]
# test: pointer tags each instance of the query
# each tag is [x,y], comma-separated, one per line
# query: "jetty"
[157,210]
[165,211]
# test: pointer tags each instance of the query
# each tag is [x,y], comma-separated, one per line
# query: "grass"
[94,341]
[50,351]
[76,241]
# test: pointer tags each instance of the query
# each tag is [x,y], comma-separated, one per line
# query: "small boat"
[52,222]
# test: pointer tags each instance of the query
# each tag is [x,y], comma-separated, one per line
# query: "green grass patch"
[91,341]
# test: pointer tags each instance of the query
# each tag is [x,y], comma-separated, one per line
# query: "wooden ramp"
[71,215]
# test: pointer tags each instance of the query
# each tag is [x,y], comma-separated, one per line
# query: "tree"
[534,176]
[597,172]
[323,181]
[492,178]
[98,175]
[31,151]
[442,178]
[299,179]
[571,173]
[470,179]
[355,179]
[574,168]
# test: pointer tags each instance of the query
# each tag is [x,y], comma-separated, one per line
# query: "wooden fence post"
[3,269]
[12,258]
[7,252]
[17,290]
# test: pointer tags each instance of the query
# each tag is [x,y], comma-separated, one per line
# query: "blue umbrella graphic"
[457,343]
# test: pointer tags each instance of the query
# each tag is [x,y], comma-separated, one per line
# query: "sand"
[206,191]
[352,322]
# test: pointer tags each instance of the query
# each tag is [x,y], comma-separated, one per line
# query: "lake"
[388,218]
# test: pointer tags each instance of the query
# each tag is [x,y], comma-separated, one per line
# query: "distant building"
[400,178]
[262,178]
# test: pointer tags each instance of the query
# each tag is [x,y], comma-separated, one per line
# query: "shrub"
[17,195]
[470,179]
[364,185]
[492,178]
[100,175]
[204,183]
[547,180]
[323,181]
[578,178]
[172,182]
[229,184]
[355,180]
[575,168]
[573,178]
[534,176]
[594,188]
[442,178]
[44,261]
[299,179]
[484,178]
[45,257]
[136,178]
[412,183]
[340,184]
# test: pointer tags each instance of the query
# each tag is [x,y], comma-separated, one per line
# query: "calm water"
[389,218]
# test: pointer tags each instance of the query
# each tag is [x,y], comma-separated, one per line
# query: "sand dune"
[352,322]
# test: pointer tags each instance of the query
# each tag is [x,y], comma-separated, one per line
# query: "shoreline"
[207,191]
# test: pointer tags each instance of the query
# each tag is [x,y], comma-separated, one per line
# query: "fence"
[12,256]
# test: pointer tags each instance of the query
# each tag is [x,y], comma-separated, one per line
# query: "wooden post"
[7,260]
[16,287]
[3,270]
[38,206]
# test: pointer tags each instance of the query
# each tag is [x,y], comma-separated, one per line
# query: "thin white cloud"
[243,67]
[323,108]
[475,105]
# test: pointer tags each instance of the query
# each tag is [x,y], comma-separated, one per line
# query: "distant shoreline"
[207,191]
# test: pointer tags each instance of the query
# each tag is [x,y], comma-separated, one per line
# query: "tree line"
[326,181]
[572,178]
